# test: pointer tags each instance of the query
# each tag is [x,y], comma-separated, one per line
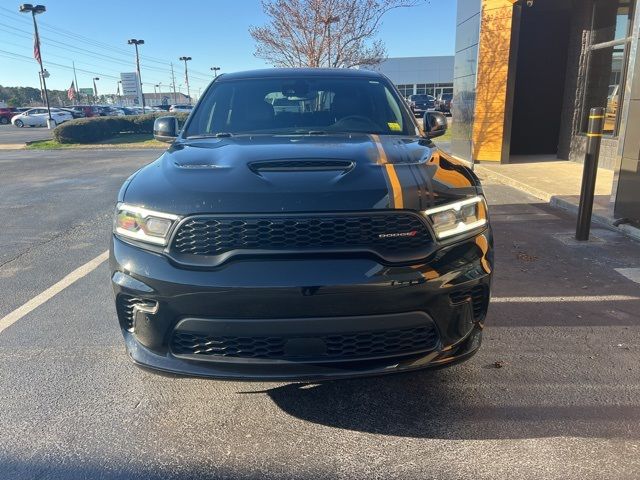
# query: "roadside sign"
[87,91]
[131,86]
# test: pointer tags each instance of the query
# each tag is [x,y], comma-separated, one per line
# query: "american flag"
[71,93]
[36,48]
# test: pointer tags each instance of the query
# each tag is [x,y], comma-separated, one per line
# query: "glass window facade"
[434,89]
[610,31]
[405,90]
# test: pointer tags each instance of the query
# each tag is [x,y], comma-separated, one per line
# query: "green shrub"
[95,129]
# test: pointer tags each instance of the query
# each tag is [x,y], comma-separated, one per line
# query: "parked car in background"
[37,117]
[420,103]
[88,110]
[74,113]
[164,108]
[443,102]
[7,113]
[182,107]
[111,111]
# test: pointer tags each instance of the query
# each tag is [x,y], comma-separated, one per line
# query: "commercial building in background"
[419,75]
[527,73]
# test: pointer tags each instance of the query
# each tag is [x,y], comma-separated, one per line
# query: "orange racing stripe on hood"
[391,175]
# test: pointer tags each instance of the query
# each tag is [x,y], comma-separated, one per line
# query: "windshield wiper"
[210,135]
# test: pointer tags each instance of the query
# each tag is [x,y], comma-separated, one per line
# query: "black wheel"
[19,123]
[4,120]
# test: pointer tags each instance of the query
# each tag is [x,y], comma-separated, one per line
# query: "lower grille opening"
[479,300]
[125,305]
[343,346]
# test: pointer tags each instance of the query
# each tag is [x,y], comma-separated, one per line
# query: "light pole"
[95,90]
[186,76]
[327,23]
[136,42]
[215,71]
[34,10]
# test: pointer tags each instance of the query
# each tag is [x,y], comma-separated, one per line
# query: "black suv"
[421,103]
[327,241]
[443,102]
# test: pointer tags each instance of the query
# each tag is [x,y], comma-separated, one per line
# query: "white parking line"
[583,298]
[632,274]
[35,302]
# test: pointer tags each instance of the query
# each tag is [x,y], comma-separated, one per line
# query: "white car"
[181,108]
[37,117]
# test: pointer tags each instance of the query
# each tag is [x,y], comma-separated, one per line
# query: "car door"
[39,117]
[30,117]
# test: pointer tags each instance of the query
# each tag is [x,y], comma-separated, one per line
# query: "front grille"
[344,346]
[479,300]
[393,235]
[125,305]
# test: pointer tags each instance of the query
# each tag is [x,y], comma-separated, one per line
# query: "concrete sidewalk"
[558,183]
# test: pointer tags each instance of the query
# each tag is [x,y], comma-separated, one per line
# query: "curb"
[560,203]
[12,146]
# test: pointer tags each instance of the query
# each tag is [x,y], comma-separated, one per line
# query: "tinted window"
[300,105]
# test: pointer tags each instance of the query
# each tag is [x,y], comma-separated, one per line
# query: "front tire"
[4,120]
[19,123]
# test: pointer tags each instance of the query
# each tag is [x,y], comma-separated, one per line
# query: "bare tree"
[315,33]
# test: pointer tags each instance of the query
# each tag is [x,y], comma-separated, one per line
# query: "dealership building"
[419,75]
[527,73]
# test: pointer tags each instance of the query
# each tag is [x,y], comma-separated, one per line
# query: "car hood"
[299,173]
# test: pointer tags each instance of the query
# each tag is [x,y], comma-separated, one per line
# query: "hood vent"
[301,165]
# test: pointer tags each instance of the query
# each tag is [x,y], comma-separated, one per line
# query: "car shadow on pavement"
[436,404]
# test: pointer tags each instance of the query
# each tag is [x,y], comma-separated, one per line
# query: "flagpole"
[76,79]
[44,83]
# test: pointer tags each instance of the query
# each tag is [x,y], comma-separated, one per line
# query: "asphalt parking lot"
[10,135]
[563,328]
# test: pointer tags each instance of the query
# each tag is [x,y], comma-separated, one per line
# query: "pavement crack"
[53,238]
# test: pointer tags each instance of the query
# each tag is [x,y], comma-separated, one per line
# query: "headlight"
[144,225]
[458,217]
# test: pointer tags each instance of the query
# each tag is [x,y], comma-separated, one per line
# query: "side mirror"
[165,129]
[434,124]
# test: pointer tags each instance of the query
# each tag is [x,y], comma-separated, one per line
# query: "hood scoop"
[301,165]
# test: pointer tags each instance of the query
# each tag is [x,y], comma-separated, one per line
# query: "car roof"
[301,72]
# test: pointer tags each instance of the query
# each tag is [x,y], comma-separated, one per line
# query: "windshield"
[300,105]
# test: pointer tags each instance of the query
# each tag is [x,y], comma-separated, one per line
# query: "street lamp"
[186,76]
[215,71]
[136,42]
[95,89]
[35,10]
[327,23]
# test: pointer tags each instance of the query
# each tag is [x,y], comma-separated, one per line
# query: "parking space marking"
[579,298]
[632,274]
[35,302]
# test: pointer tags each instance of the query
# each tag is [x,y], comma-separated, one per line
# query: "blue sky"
[94,34]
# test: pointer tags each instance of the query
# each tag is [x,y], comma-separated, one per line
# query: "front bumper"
[302,319]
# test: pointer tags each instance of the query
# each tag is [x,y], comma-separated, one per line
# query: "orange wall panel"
[491,82]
